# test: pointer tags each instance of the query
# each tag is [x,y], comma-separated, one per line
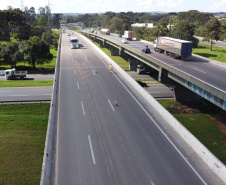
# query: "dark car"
[142,84]
[146,50]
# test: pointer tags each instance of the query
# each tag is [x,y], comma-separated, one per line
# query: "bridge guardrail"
[48,156]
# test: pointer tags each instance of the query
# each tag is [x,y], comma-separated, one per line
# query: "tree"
[36,51]
[212,30]
[116,25]
[183,30]
[42,21]
[11,54]
[56,20]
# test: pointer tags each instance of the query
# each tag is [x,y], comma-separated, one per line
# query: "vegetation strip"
[26,83]
[205,121]
[22,138]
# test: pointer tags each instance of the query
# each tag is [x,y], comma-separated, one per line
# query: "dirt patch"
[221,120]
[184,109]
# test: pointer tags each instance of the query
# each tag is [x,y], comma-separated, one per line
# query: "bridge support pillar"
[163,76]
[114,51]
[181,93]
[133,64]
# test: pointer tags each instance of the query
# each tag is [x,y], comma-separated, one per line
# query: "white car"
[125,41]
[2,73]
[68,34]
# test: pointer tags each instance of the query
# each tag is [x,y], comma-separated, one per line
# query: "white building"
[148,25]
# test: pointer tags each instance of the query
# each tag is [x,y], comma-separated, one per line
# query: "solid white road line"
[94,72]
[91,150]
[74,71]
[111,105]
[199,70]
[78,85]
[83,109]
[18,95]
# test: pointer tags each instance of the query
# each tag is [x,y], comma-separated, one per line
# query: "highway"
[25,93]
[99,143]
[196,67]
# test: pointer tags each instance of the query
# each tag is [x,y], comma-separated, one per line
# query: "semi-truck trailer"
[129,35]
[175,48]
[105,31]
[12,74]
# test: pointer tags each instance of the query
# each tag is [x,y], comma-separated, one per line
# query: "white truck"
[12,74]
[140,69]
[129,35]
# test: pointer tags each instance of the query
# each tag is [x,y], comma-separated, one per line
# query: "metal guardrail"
[23,101]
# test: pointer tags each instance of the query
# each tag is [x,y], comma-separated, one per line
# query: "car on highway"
[125,41]
[146,50]
[142,84]
[2,73]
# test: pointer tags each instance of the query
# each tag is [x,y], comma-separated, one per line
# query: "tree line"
[184,25]
[32,35]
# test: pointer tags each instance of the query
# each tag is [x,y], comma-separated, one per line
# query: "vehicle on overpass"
[128,35]
[175,48]
[146,50]
[105,31]
[12,74]
[74,43]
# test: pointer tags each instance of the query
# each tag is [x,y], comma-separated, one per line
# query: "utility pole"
[22,5]
[49,11]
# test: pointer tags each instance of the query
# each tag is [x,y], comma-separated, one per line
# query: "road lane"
[25,93]
[129,144]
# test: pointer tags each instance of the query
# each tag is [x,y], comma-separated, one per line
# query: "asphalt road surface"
[99,143]
[25,93]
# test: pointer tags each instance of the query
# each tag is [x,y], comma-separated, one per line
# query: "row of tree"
[32,34]
[184,24]
[23,24]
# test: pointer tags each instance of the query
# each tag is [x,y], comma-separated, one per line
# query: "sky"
[102,6]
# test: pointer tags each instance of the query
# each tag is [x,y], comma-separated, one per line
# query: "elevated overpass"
[187,86]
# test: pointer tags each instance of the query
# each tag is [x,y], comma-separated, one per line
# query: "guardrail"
[48,156]
[22,101]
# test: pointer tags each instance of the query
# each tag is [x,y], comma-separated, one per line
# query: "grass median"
[205,121]
[26,83]
[22,138]
[218,53]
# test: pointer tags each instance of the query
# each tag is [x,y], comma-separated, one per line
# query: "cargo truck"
[105,31]
[129,35]
[175,48]
[12,74]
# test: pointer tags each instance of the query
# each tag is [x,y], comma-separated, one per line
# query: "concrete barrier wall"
[49,143]
[214,163]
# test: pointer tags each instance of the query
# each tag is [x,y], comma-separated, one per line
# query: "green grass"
[200,124]
[218,53]
[122,62]
[22,138]
[26,83]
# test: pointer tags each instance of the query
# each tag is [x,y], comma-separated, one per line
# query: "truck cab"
[12,74]
[140,69]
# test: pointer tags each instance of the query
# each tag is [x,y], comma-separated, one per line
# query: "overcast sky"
[102,6]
